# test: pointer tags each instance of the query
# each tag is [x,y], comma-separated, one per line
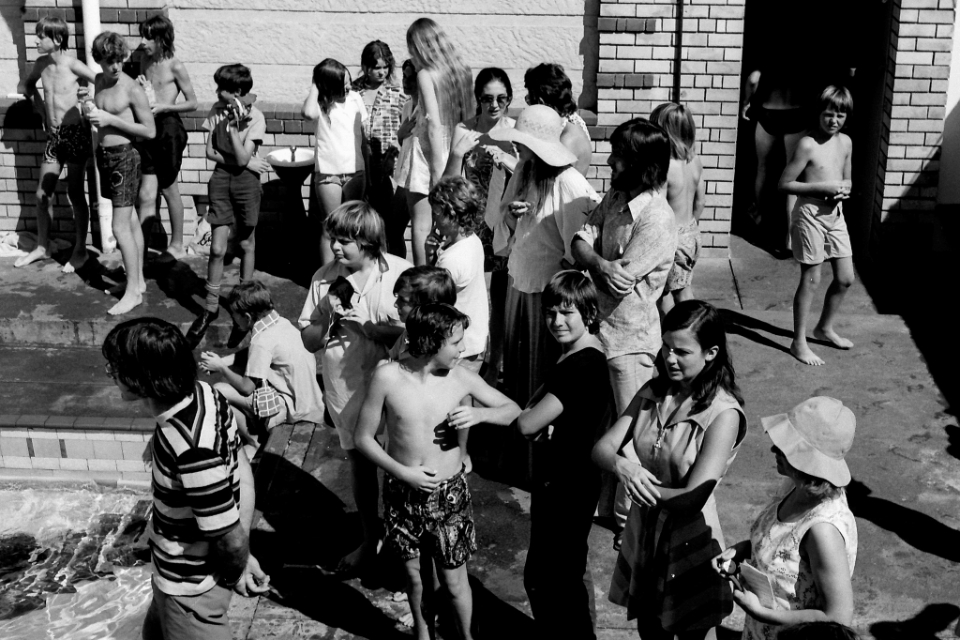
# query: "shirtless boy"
[68,137]
[685,194]
[819,174]
[122,115]
[425,495]
[164,77]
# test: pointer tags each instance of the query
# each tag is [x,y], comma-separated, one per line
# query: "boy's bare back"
[120,99]
[683,184]
[416,409]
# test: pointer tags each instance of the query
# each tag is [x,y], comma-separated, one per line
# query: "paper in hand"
[757,583]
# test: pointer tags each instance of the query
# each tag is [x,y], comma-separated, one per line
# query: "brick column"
[914,105]
[638,47]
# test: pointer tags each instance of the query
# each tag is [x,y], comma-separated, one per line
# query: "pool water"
[73,563]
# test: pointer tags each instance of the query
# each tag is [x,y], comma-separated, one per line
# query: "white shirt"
[464,261]
[339,135]
[541,241]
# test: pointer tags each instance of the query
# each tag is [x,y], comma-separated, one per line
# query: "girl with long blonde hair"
[445,95]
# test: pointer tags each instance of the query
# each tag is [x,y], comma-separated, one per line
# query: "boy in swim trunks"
[685,194]
[425,495]
[164,78]
[819,175]
[122,115]
[68,137]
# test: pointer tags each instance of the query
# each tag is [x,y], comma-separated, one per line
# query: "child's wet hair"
[54,28]
[159,29]
[429,326]
[549,84]
[109,47]
[251,298]
[838,98]
[152,358]
[358,221]
[330,78]
[645,148]
[427,284]
[706,325]
[235,78]
[571,288]
[378,50]
[456,198]
[677,122]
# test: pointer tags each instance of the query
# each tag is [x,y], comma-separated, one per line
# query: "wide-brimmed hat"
[814,436]
[539,127]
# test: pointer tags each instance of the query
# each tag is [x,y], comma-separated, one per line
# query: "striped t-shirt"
[196,490]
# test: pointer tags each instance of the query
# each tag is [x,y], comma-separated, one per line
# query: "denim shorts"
[119,174]
[234,196]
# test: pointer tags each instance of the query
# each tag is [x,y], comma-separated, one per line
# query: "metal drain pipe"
[678,53]
[91,29]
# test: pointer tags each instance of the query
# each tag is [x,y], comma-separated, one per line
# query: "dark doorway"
[806,46]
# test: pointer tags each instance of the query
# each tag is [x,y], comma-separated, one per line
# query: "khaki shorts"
[818,231]
[202,617]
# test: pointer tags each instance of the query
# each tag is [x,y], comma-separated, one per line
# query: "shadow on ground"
[926,625]
[305,526]
[920,531]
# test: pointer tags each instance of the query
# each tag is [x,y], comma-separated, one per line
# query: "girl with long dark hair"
[670,449]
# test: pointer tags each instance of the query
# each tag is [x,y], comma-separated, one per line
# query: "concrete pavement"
[904,460]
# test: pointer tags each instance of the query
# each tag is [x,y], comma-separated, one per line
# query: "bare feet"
[76,261]
[802,352]
[177,251]
[831,336]
[120,288]
[126,303]
[40,253]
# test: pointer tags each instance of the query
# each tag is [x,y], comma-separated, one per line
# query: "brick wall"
[21,147]
[638,50]
[918,72]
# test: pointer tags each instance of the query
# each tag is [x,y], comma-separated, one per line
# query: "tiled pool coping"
[107,450]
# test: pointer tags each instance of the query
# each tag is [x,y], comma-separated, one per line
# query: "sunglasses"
[502,101]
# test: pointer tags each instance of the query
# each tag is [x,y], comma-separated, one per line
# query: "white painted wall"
[11,45]
[281,40]
[949,189]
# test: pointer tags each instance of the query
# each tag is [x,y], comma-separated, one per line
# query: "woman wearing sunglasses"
[488,164]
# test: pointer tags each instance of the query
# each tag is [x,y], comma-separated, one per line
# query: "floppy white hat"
[539,128]
[814,436]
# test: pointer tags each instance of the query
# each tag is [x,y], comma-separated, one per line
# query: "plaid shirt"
[264,323]
[384,116]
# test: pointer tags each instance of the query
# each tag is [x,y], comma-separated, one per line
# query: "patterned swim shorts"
[68,144]
[685,258]
[439,523]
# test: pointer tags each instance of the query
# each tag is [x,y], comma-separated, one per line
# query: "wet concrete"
[904,461]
